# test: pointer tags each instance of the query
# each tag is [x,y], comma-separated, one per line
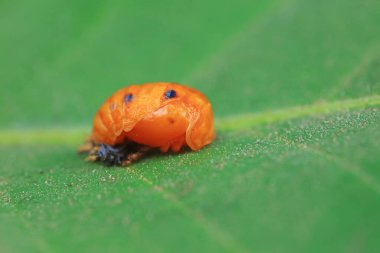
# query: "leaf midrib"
[72,135]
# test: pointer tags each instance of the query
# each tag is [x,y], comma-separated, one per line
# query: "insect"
[139,118]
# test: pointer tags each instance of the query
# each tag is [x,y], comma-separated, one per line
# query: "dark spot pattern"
[171,120]
[128,98]
[170,94]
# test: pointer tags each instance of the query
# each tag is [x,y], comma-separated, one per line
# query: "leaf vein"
[242,122]
[223,238]
[355,170]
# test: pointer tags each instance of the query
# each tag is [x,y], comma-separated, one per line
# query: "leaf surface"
[295,89]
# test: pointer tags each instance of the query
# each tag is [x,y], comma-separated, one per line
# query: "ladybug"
[139,118]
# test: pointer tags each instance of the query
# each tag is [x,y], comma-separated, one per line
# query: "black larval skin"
[119,155]
[111,155]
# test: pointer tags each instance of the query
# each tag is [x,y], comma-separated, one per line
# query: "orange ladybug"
[138,118]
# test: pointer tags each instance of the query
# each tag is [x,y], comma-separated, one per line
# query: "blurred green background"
[275,180]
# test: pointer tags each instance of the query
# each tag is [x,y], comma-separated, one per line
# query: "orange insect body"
[163,115]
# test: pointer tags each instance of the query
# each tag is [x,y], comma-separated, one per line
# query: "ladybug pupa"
[139,118]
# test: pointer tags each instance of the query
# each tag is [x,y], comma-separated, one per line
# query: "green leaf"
[295,87]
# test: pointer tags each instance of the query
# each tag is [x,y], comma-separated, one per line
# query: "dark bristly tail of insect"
[120,155]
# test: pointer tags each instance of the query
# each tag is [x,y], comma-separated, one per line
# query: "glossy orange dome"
[163,115]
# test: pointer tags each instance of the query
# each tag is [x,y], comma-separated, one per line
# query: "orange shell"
[152,119]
